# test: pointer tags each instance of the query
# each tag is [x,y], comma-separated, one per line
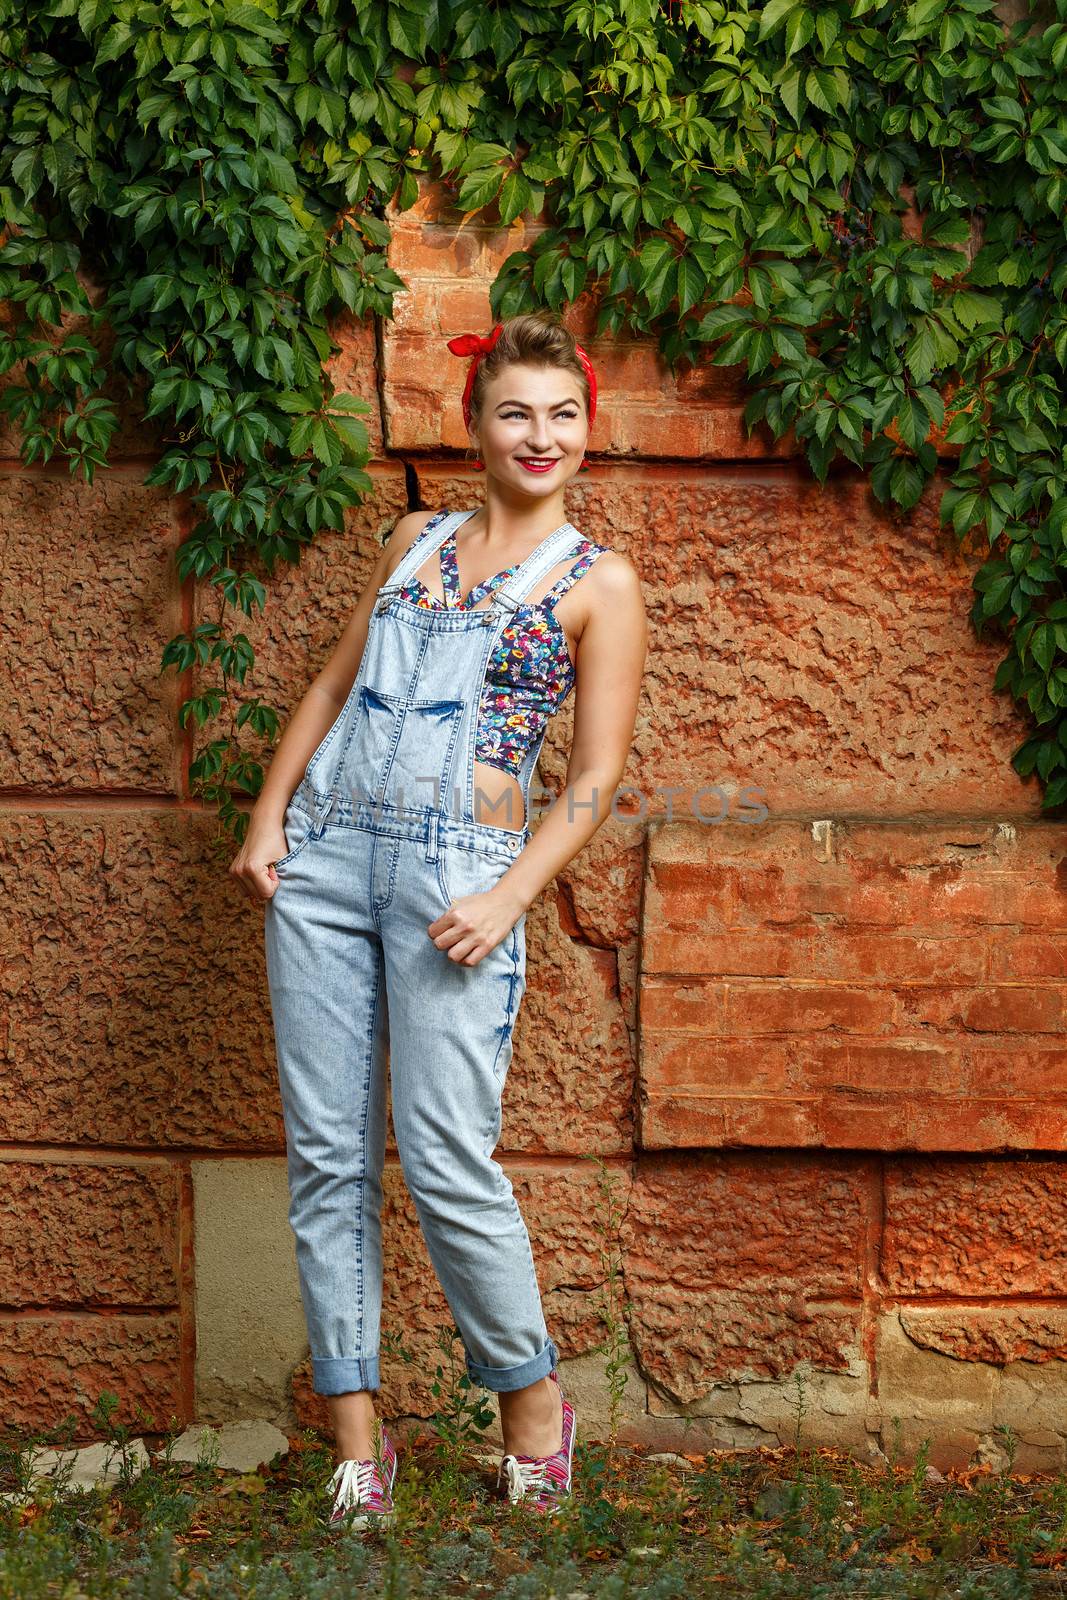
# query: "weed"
[607,1222]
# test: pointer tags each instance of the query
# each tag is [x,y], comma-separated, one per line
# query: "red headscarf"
[476,345]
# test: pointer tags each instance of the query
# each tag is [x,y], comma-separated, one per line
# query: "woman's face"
[532,416]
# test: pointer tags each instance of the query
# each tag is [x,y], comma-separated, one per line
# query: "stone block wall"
[800,1001]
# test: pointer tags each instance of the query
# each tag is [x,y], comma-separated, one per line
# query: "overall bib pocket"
[402,751]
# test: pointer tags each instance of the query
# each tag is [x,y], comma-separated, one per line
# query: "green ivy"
[864,204]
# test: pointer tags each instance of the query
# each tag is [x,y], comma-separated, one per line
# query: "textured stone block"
[88,599]
[133,991]
[739,1269]
[958,1406]
[569,1088]
[929,1397]
[250,1328]
[869,696]
[976,1228]
[994,1334]
[809,1405]
[53,1365]
[77,1233]
[126,947]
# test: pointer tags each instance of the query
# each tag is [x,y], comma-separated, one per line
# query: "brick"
[1029,955]
[84,1234]
[882,877]
[449,262]
[723,1066]
[865,1122]
[916,1069]
[778,1001]
[810,951]
[678,1122]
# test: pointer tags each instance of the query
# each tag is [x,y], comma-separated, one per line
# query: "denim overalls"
[381,837]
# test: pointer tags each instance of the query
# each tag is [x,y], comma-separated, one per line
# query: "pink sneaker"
[542,1482]
[363,1492]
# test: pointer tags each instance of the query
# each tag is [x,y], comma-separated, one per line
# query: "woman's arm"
[264,842]
[609,665]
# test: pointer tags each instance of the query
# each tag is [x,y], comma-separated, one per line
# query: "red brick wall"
[820,1053]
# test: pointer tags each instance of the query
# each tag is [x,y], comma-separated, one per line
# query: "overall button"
[513,844]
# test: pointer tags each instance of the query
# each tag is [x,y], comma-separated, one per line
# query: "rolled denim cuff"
[502,1379]
[340,1374]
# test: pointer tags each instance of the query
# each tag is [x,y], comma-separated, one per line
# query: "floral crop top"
[530,673]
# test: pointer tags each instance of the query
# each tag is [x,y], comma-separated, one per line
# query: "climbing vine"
[864,204]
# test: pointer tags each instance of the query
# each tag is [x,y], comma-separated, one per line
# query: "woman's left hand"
[475,924]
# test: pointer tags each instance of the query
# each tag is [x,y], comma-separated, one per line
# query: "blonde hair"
[537,339]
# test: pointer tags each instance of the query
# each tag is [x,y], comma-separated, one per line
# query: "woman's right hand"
[253,865]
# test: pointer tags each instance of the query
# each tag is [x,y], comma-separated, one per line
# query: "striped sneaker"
[363,1490]
[542,1482]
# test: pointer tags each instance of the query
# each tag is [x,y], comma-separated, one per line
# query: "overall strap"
[548,554]
[431,538]
[509,597]
[578,570]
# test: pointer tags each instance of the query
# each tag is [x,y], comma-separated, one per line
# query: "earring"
[584,467]
[478,464]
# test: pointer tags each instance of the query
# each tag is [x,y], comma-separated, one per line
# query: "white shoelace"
[353,1482]
[524,1477]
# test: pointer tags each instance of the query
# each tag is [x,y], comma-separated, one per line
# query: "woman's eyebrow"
[568,402]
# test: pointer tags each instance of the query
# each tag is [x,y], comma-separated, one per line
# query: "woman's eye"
[564,416]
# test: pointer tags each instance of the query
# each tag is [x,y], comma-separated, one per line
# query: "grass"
[753,1523]
[763,1524]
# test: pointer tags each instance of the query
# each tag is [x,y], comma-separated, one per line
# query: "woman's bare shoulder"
[613,576]
[409,528]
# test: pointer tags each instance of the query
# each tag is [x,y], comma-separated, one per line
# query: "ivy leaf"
[773,15]
[929,349]
[479,189]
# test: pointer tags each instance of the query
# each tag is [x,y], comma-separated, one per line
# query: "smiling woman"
[397,891]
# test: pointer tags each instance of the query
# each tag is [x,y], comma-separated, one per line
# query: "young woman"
[391,843]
